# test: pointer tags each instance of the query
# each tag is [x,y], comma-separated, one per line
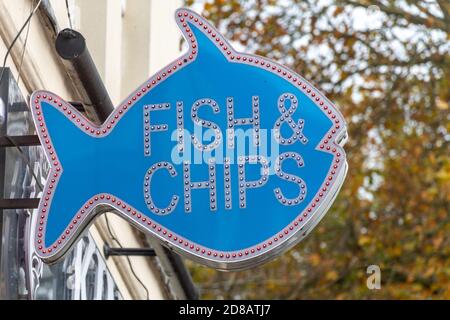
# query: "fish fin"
[203,39]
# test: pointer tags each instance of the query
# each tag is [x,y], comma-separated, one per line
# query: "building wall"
[128,40]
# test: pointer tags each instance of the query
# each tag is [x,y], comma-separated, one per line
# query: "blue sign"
[228,158]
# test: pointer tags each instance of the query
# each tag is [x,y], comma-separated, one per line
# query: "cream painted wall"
[164,34]
[135,45]
[126,49]
[113,50]
[132,40]
[90,19]
[150,40]
[50,75]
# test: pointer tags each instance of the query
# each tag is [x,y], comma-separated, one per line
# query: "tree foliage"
[386,64]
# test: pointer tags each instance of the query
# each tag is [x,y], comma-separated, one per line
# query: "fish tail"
[69,142]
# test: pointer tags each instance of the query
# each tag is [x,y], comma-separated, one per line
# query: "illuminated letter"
[147,189]
[291,178]
[148,127]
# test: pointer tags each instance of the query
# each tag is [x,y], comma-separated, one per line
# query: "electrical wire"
[114,238]
[27,161]
[24,45]
[26,23]
[68,14]
[17,37]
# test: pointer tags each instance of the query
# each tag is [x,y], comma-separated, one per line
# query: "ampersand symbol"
[286,117]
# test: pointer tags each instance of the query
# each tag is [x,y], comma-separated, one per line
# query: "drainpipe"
[71,46]
[189,288]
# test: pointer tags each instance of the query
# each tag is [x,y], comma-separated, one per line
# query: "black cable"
[68,14]
[27,23]
[114,238]
[26,161]
[24,45]
[17,37]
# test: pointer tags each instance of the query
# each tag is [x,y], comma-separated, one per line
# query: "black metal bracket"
[31,140]
[143,252]
[21,203]
[21,141]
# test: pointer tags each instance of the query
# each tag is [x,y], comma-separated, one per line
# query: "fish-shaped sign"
[226,157]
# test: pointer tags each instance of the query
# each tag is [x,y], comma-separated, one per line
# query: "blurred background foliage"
[386,65]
